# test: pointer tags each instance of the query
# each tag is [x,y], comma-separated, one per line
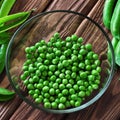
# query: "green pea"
[65,91]
[74,37]
[81,94]
[61,106]
[52,67]
[88,46]
[47,105]
[54,105]
[83,75]
[30,86]
[45,89]
[52,91]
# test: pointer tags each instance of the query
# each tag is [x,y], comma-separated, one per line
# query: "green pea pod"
[13,21]
[4,98]
[6,92]
[115,21]
[4,37]
[3,49]
[117,54]
[114,44]
[108,11]
[6,6]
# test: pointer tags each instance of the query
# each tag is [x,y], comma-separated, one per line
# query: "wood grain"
[106,108]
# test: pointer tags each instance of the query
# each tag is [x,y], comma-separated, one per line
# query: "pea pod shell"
[114,44]
[13,21]
[4,98]
[2,56]
[117,54]
[115,21]
[4,91]
[108,11]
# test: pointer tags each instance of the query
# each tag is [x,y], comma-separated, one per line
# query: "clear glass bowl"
[43,26]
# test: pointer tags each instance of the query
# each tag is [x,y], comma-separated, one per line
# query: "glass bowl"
[41,27]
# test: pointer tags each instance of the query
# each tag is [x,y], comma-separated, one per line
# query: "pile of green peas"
[60,74]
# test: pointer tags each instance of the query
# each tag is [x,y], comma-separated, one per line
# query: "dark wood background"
[106,108]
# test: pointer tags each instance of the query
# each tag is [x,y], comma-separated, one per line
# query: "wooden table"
[106,108]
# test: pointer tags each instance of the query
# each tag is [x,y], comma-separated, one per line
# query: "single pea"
[77,103]
[61,86]
[81,94]
[54,105]
[80,82]
[58,44]
[47,95]
[45,83]
[75,52]
[65,63]
[45,89]
[65,91]
[95,86]
[35,95]
[62,57]
[38,100]
[95,72]
[60,66]
[52,98]
[51,84]
[97,62]
[58,80]
[57,91]
[80,40]
[49,56]
[67,52]
[64,81]
[88,46]
[68,72]
[68,39]
[31,80]
[71,91]
[49,44]
[83,75]
[80,57]
[72,103]
[40,50]
[56,35]
[74,96]
[35,78]
[74,57]
[81,65]
[26,82]
[68,44]
[53,78]
[52,67]
[63,43]
[75,87]
[94,66]
[31,69]
[82,87]
[62,75]
[47,105]
[42,68]
[61,106]
[68,86]
[75,46]
[31,92]
[67,76]
[73,75]
[62,99]
[90,88]
[87,62]
[37,45]
[67,104]
[45,99]
[91,78]
[52,91]
[58,53]
[98,69]
[74,37]
[71,81]
[46,62]
[42,42]
[30,86]
[97,81]
[88,67]
[95,56]
[86,84]
[37,91]
[55,85]
[87,93]
[77,78]
[74,68]
[39,60]
[82,51]
[55,61]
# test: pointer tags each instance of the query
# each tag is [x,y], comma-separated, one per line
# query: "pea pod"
[117,53]
[4,37]
[6,92]
[115,21]
[13,20]
[6,6]
[114,44]
[4,98]
[108,11]
[3,49]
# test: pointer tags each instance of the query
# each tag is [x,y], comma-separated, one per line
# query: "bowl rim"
[94,99]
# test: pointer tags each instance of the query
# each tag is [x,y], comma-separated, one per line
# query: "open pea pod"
[12,21]
[4,92]
[4,98]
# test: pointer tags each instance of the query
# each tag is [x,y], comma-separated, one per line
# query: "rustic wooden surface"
[106,108]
